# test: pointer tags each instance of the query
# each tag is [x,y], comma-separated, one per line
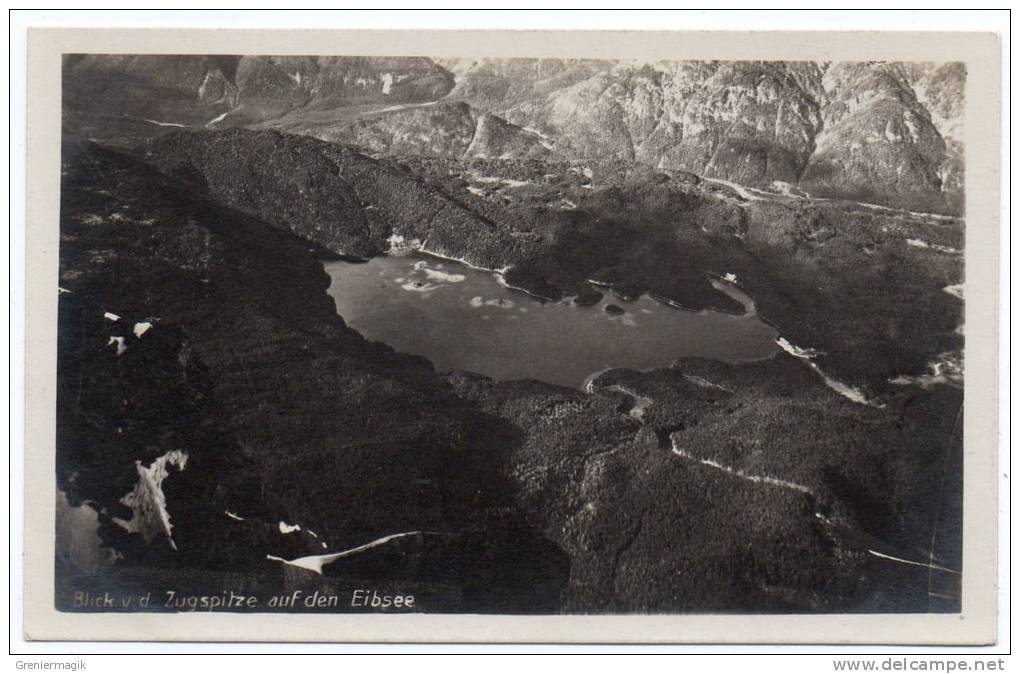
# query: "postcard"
[512,336]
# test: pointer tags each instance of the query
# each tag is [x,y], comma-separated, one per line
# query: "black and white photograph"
[372,333]
[509,335]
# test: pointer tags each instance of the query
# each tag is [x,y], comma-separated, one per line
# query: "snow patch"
[111,316]
[889,134]
[387,83]
[233,516]
[147,500]
[217,119]
[955,290]
[201,87]
[919,243]
[934,567]
[142,328]
[288,528]
[152,121]
[316,562]
[119,341]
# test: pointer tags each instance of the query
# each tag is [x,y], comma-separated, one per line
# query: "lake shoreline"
[449,301]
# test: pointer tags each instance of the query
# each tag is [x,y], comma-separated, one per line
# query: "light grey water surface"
[462,318]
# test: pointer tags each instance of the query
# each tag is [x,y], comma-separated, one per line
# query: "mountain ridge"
[861,131]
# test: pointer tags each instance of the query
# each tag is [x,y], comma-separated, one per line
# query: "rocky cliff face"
[878,143]
[750,123]
[880,132]
[857,131]
[942,90]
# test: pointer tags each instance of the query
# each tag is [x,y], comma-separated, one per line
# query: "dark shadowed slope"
[201,358]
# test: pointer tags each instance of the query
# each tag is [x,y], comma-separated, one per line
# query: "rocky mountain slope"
[270,86]
[886,133]
[879,143]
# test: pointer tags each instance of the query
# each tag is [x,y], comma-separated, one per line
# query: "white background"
[752,658]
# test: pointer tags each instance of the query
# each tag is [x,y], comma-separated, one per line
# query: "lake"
[462,318]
